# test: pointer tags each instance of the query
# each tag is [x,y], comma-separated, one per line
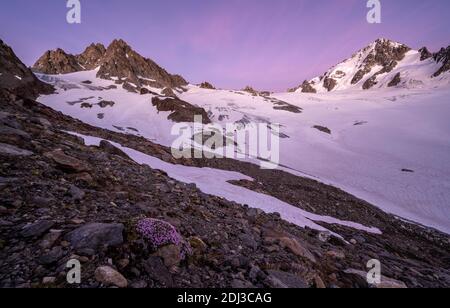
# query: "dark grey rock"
[76,193]
[52,257]
[37,229]
[155,268]
[11,150]
[287,279]
[96,235]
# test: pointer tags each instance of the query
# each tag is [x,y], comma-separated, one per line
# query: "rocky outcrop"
[250,90]
[395,81]
[425,54]
[181,111]
[254,92]
[369,83]
[329,83]
[16,78]
[207,85]
[168,92]
[307,87]
[323,129]
[442,57]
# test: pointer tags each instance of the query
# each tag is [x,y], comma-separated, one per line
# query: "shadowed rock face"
[117,62]
[307,87]
[425,54]
[443,56]
[16,78]
[207,85]
[329,83]
[181,111]
[395,81]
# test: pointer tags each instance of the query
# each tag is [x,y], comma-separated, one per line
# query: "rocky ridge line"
[118,62]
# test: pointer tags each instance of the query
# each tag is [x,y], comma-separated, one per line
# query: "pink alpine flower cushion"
[158,233]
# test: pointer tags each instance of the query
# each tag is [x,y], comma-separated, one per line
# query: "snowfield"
[374,136]
[131,113]
[377,140]
[215,182]
[390,147]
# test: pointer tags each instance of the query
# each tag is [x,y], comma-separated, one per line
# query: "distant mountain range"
[383,63]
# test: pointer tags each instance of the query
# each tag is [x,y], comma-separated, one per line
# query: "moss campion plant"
[160,233]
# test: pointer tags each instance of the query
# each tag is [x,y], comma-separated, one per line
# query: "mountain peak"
[121,63]
[380,64]
[117,62]
[383,40]
[95,46]
[57,62]
[119,43]
[91,56]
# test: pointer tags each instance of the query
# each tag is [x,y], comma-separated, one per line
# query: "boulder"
[37,229]
[104,104]
[10,150]
[110,277]
[281,280]
[111,149]
[95,236]
[170,254]
[66,162]
[296,248]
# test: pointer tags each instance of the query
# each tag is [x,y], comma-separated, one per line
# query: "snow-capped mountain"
[323,135]
[118,62]
[382,64]
[63,179]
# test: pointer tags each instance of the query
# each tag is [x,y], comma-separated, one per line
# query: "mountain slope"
[341,156]
[383,64]
[62,179]
[16,77]
[119,62]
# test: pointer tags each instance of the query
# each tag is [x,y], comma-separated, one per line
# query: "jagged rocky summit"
[384,63]
[118,62]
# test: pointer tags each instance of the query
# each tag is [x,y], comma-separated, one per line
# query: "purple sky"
[269,44]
